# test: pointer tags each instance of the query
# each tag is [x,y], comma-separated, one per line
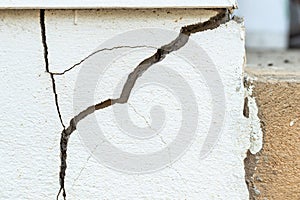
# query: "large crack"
[220,18]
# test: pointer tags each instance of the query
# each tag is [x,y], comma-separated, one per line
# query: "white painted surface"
[253,122]
[79,4]
[30,128]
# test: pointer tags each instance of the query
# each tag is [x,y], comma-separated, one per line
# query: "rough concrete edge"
[250,106]
[254,126]
[251,127]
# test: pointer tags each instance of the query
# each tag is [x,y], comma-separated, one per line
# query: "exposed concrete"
[274,172]
[274,65]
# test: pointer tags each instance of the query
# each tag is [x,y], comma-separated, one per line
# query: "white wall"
[30,128]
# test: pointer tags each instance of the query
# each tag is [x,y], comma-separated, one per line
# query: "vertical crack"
[44,41]
[161,53]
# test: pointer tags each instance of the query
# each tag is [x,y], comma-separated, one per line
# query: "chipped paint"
[253,121]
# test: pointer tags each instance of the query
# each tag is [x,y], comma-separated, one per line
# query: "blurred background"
[271,24]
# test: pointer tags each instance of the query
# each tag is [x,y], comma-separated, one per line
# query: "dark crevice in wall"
[44,41]
[183,37]
[246,108]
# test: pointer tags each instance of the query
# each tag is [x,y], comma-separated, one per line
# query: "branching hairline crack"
[220,18]
[98,51]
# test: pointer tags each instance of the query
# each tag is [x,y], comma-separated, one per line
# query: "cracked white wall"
[30,127]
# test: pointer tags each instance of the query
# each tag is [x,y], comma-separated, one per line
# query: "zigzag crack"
[161,53]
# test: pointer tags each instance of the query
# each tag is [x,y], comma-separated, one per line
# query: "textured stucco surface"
[30,128]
